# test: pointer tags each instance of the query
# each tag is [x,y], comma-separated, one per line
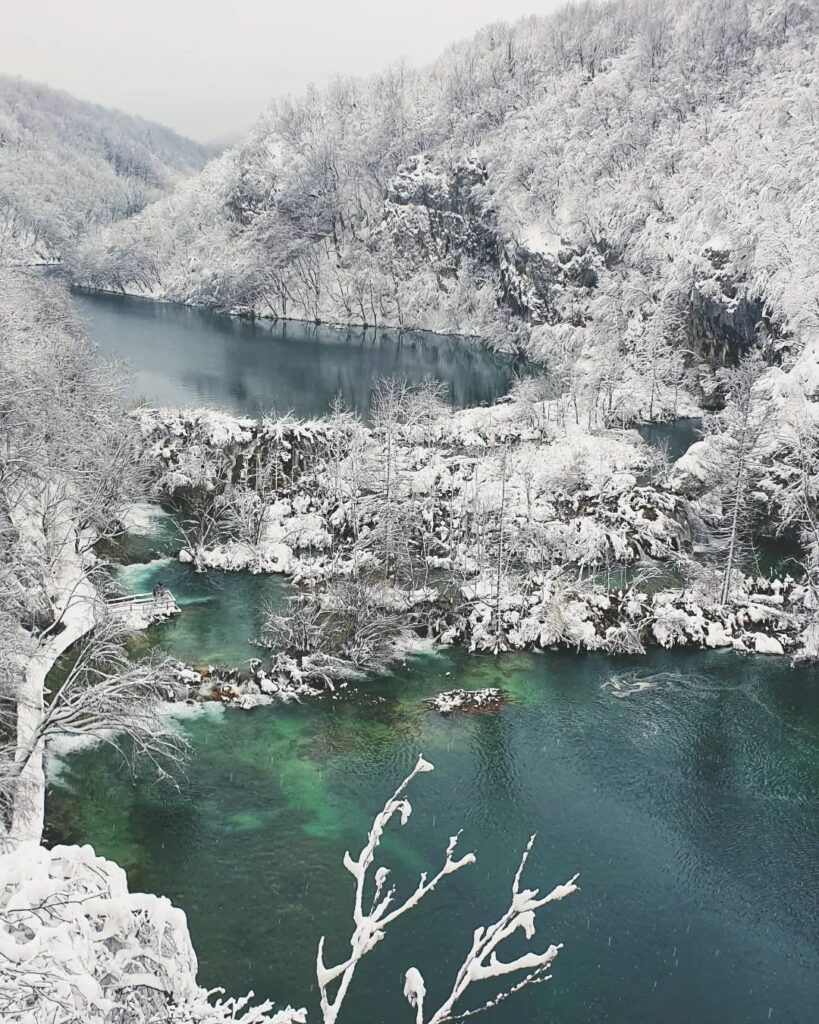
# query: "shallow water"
[187,356]
[687,805]
[221,613]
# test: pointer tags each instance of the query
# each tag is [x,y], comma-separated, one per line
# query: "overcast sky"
[208,67]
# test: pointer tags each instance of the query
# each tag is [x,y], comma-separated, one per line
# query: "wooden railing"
[160,604]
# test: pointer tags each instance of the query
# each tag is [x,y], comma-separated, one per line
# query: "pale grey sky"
[208,67]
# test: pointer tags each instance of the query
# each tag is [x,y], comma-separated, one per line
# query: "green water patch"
[221,613]
[682,786]
[152,533]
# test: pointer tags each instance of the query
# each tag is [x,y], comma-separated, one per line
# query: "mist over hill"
[67,167]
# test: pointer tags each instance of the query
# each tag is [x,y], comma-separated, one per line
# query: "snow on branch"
[481,963]
[76,947]
[370,926]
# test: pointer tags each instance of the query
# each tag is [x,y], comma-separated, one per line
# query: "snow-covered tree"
[67,167]
[77,945]
[69,471]
[616,190]
[736,439]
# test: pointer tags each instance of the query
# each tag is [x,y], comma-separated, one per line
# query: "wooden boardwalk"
[140,610]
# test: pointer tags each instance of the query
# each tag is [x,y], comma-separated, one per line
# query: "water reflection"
[187,356]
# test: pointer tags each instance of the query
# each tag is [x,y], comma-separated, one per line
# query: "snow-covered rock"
[764,644]
[76,945]
[487,699]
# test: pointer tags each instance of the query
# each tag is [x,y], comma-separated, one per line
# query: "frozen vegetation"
[67,167]
[501,528]
[70,466]
[73,944]
[604,189]
[623,192]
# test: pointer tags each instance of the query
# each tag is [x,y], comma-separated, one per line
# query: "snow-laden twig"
[481,963]
[370,926]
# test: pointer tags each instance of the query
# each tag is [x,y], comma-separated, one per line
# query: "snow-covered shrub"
[76,945]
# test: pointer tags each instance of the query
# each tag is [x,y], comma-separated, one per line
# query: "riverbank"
[248,313]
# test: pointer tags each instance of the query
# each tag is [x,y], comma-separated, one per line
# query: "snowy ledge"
[234,687]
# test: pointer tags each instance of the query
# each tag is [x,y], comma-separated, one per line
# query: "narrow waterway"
[682,786]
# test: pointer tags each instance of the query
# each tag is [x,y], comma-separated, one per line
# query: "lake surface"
[188,356]
[683,787]
[689,809]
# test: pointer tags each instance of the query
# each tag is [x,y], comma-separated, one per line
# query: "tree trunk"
[75,609]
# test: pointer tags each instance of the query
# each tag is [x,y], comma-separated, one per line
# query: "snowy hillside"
[617,178]
[67,166]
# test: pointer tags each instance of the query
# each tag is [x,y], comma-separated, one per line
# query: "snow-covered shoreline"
[134,291]
[567,494]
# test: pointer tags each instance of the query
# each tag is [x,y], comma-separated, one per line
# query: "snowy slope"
[617,182]
[67,166]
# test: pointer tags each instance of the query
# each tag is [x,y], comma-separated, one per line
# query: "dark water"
[683,787]
[188,357]
[675,437]
[690,809]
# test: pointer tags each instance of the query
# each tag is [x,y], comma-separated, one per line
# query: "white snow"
[764,644]
[73,936]
[488,698]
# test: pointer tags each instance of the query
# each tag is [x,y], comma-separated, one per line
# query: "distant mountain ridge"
[68,166]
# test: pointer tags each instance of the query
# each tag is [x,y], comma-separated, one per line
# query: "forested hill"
[616,178]
[67,166]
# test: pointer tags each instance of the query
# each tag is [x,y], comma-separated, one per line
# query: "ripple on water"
[687,804]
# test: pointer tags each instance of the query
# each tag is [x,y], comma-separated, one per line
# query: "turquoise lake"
[684,787]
